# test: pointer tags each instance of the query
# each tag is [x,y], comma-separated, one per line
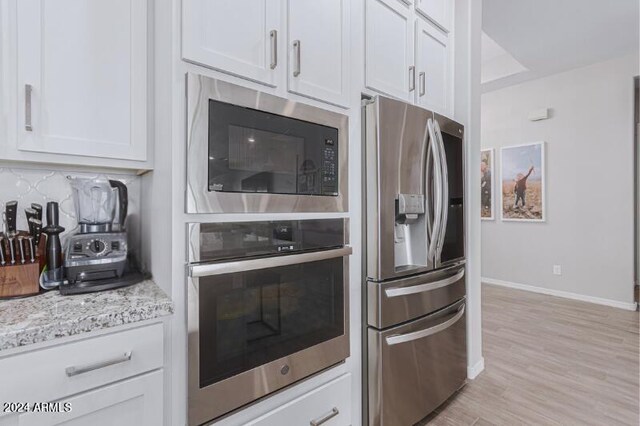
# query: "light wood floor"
[550,361]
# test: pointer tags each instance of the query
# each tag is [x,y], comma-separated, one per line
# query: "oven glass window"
[255,151]
[251,318]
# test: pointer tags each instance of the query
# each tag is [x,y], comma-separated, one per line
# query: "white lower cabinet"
[134,402]
[113,379]
[328,405]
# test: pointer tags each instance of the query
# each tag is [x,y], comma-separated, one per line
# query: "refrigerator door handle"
[422,288]
[445,190]
[427,189]
[404,338]
[437,211]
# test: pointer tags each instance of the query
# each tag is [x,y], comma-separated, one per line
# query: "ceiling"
[550,36]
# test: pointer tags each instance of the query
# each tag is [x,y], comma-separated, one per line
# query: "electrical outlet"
[557,270]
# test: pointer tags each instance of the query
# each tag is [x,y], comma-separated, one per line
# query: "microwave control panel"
[330,167]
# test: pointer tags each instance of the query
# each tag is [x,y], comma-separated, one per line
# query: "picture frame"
[524,201]
[487,184]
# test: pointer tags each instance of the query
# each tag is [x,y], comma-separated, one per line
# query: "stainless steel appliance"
[268,305]
[415,256]
[250,151]
[96,256]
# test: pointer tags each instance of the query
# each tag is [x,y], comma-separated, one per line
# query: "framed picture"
[486,184]
[522,170]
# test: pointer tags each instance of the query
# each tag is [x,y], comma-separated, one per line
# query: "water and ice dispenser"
[410,233]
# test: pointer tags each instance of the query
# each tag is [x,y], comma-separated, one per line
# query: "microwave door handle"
[445,189]
[409,337]
[437,199]
[209,269]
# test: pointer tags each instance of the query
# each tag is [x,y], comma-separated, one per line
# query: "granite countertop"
[50,315]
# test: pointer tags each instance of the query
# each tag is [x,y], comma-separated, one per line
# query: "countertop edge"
[132,312]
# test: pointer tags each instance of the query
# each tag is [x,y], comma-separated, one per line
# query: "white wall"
[589,179]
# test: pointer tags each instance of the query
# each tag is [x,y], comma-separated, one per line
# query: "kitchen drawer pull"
[74,371]
[296,63]
[334,412]
[274,49]
[27,107]
[206,270]
[403,338]
[405,291]
[412,78]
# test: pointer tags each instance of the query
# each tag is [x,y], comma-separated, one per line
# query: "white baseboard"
[474,370]
[560,293]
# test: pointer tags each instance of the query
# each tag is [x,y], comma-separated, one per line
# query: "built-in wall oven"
[267,306]
[250,151]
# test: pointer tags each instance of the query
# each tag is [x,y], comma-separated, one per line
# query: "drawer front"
[136,401]
[393,302]
[53,373]
[415,367]
[328,405]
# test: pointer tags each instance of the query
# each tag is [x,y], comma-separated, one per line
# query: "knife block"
[22,279]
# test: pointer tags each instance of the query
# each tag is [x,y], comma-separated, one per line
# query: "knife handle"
[23,257]
[11,208]
[32,250]
[35,229]
[38,209]
[2,257]
[12,250]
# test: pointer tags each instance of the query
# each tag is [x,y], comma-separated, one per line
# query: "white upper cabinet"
[238,37]
[433,68]
[389,33]
[318,46]
[82,78]
[408,56]
[438,11]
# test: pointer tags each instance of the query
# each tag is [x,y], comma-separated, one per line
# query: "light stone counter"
[50,315]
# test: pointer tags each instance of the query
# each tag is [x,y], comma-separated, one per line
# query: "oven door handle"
[421,288]
[209,269]
[403,338]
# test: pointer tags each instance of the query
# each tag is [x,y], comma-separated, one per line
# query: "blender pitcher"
[95,203]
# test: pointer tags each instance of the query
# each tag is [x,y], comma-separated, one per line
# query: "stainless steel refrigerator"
[415,338]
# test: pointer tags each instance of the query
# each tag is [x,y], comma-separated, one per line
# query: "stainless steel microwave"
[252,152]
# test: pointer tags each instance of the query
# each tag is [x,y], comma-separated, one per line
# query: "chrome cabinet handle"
[334,412]
[403,338]
[421,288]
[412,78]
[27,107]
[205,270]
[445,188]
[74,371]
[274,48]
[422,83]
[296,65]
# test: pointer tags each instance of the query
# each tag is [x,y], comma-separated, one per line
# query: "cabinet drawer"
[53,373]
[328,405]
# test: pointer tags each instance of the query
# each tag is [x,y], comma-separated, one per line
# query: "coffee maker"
[96,257]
